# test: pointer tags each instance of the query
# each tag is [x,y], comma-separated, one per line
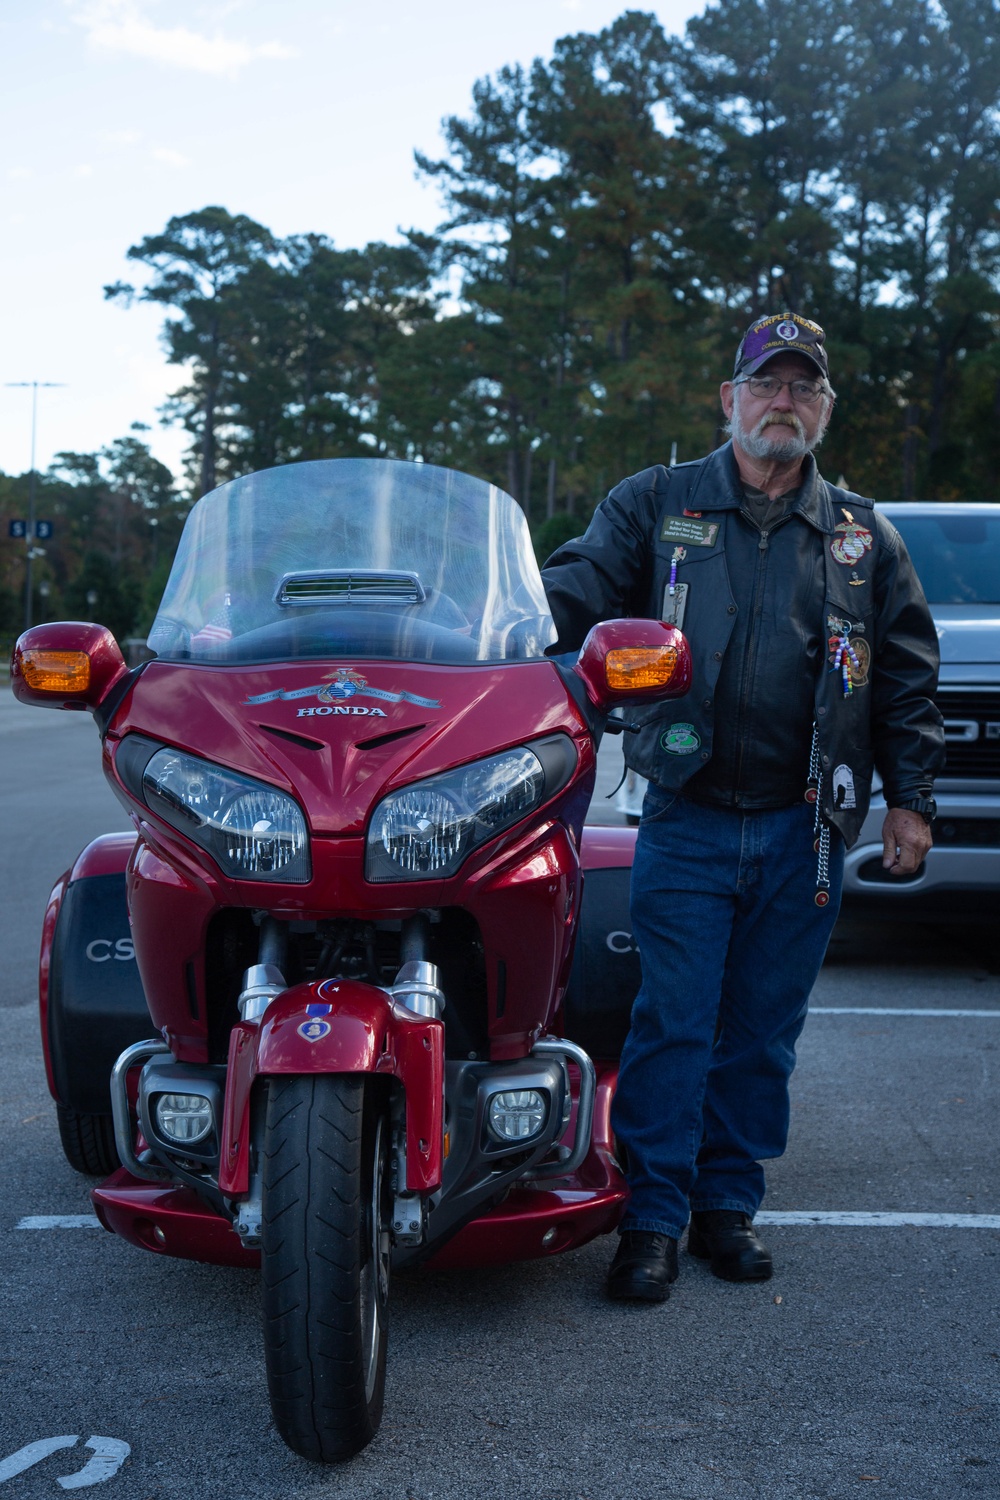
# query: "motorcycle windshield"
[354,558]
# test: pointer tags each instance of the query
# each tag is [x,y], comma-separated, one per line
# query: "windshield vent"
[350,586]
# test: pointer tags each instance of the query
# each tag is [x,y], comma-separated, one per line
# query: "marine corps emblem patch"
[850,542]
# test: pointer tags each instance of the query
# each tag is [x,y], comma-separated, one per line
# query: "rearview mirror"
[625,661]
[68,664]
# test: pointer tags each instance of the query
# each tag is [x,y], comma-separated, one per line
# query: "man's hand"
[906,838]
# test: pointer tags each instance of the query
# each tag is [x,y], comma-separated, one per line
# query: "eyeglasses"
[807,392]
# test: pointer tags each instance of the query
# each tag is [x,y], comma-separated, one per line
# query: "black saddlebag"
[96,1003]
[606,974]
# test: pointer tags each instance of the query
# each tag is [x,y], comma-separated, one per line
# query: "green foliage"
[551,533]
[613,217]
[116,517]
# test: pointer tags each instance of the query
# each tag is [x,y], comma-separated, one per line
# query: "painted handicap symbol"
[107,1456]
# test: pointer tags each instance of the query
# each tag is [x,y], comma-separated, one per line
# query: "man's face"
[776,429]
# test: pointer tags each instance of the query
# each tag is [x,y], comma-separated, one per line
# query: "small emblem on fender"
[314,1031]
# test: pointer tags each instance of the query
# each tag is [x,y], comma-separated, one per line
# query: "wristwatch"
[925,806]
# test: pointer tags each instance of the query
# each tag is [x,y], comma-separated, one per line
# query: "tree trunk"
[911,439]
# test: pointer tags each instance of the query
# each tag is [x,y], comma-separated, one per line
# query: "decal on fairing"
[335,693]
[314,1031]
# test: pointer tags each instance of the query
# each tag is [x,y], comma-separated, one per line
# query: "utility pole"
[33,385]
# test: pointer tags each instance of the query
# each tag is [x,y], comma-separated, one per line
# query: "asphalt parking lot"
[868,1366]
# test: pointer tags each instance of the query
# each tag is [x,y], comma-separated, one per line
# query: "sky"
[117,114]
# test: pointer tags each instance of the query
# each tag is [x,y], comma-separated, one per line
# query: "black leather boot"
[644,1266]
[728,1241]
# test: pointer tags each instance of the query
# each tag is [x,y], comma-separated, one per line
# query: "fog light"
[184,1118]
[517,1114]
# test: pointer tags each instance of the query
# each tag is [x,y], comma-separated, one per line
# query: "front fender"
[338,1026]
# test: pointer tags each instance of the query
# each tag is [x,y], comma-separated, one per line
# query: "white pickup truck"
[955,548]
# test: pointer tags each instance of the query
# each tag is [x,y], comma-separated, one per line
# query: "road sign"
[43,530]
[17,528]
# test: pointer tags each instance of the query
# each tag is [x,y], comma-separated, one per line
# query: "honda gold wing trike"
[319,1011]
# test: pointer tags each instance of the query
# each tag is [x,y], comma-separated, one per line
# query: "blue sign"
[43,530]
[17,528]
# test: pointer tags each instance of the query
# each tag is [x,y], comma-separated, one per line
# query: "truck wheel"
[88,1142]
[325,1246]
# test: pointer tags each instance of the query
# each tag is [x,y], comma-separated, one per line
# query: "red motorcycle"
[320,1012]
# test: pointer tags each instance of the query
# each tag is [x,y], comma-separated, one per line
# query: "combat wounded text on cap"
[781,333]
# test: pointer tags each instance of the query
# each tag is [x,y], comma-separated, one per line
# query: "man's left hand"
[906,838]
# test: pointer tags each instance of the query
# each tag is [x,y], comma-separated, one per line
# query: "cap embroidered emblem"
[787,331]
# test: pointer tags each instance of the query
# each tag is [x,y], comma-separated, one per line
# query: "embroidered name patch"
[688,529]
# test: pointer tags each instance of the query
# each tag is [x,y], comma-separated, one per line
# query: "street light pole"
[30,538]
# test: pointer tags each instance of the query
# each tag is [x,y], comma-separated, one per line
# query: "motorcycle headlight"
[251,830]
[425,831]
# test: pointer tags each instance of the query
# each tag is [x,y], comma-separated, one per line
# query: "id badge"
[674,605]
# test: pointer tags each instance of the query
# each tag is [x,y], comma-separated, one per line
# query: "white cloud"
[120,26]
[84,170]
[19,174]
[169,158]
[120,137]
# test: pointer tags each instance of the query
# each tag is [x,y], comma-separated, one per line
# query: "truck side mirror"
[67,664]
[628,661]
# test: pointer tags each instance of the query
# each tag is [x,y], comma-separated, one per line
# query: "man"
[815,659]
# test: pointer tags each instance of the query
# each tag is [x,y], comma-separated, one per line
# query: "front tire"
[325,1249]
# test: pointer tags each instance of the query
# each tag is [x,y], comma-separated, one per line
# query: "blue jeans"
[731,942]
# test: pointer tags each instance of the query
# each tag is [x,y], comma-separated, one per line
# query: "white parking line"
[843,1218]
[58,1221]
[881,1010]
[851,1220]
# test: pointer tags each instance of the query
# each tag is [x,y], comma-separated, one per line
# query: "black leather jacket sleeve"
[605,574]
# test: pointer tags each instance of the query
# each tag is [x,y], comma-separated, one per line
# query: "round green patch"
[680,739]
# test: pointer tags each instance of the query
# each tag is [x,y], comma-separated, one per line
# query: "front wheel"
[325,1249]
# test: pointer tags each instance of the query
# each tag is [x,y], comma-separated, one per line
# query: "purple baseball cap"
[780,333]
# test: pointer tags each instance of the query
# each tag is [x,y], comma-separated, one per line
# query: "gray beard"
[756,445]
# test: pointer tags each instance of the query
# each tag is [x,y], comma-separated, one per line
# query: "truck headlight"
[251,830]
[425,831]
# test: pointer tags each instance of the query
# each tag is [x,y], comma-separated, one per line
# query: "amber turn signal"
[56,671]
[631,669]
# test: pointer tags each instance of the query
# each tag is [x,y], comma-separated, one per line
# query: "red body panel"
[607,848]
[340,777]
[338,759]
[173,1221]
[366,1032]
[522,888]
[44,969]
[168,1220]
